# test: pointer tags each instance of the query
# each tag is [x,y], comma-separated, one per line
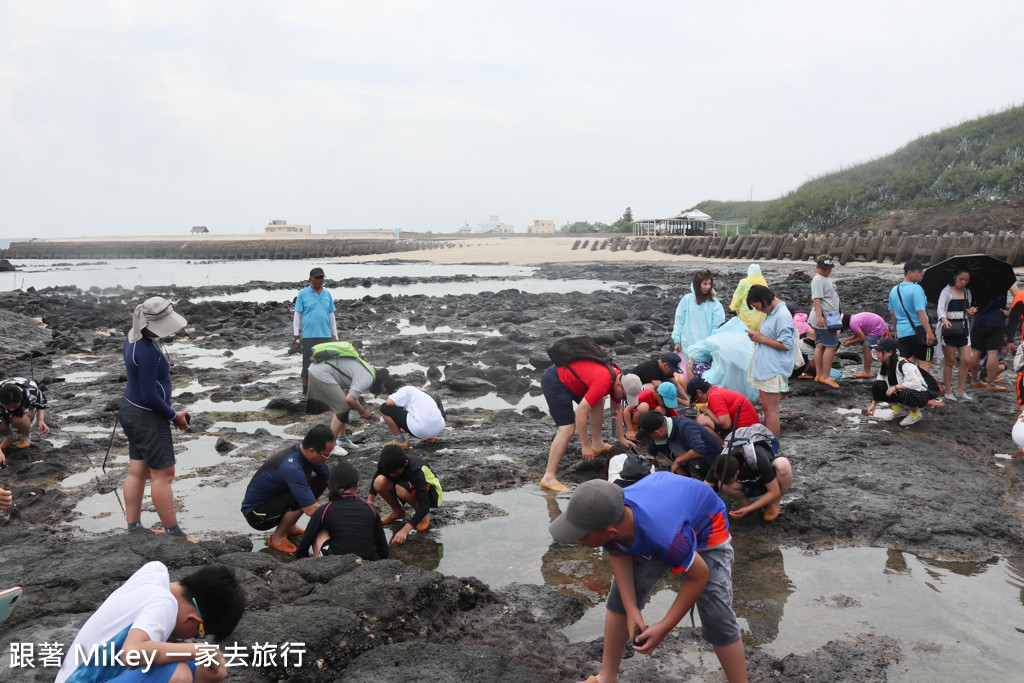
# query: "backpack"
[339,349]
[934,388]
[579,347]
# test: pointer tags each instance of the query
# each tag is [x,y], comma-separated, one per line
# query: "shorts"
[323,396]
[699,368]
[559,398]
[398,414]
[988,338]
[871,339]
[909,348]
[407,485]
[149,436]
[826,337]
[957,342]
[717,620]
[776,384]
[307,352]
[158,673]
[268,515]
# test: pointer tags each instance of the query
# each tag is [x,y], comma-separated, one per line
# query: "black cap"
[912,264]
[650,422]
[885,344]
[316,272]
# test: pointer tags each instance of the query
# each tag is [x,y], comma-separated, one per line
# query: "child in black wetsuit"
[405,478]
[347,524]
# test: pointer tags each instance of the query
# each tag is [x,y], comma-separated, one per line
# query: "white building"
[282,226]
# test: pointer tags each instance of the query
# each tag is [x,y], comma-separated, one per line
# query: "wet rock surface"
[933,489]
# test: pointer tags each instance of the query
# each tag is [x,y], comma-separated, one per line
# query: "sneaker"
[896,410]
[951,397]
[913,418]
[400,440]
[965,397]
[990,387]
[343,444]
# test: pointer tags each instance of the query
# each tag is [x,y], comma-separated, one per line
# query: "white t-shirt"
[144,602]
[424,417]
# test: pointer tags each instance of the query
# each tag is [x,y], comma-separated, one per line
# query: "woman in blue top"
[146,415]
[698,314]
[772,362]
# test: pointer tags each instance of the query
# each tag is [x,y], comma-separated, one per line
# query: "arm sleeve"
[717,315]
[312,529]
[334,324]
[943,305]
[419,482]
[680,321]
[297,324]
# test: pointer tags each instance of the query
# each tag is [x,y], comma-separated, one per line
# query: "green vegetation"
[624,224]
[976,162]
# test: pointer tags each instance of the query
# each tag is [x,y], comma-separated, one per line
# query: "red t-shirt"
[722,401]
[650,397]
[597,381]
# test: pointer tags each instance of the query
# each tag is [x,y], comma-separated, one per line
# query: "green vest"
[339,349]
[432,481]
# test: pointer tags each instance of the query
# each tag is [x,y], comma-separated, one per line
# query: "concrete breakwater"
[853,246]
[275,249]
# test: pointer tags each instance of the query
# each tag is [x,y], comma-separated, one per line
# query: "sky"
[142,118]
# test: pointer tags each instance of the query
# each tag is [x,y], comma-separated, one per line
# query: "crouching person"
[138,620]
[347,524]
[661,522]
[754,477]
[287,485]
[900,383]
[405,478]
[408,410]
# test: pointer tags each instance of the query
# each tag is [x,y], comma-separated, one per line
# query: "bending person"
[899,383]
[338,377]
[763,481]
[21,403]
[587,383]
[287,485]
[404,478]
[867,329]
[347,524]
[408,410]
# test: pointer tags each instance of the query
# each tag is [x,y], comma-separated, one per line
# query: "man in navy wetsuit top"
[287,485]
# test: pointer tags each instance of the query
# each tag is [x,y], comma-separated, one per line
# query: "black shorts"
[910,348]
[407,485]
[307,352]
[268,515]
[149,436]
[398,414]
[988,338]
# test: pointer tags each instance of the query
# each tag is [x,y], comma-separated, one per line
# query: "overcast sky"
[135,117]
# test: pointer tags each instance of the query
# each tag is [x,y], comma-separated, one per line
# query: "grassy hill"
[967,177]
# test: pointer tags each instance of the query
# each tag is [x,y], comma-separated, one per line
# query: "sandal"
[284,546]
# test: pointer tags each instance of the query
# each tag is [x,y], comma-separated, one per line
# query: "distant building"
[465,229]
[500,228]
[491,225]
[541,226]
[200,230]
[282,226]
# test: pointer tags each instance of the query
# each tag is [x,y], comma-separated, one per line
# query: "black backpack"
[579,347]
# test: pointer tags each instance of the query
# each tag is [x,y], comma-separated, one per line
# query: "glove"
[296,346]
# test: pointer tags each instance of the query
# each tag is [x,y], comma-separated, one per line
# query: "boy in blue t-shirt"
[657,524]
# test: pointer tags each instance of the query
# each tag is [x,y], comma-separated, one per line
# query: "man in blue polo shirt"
[908,307]
[288,485]
[314,321]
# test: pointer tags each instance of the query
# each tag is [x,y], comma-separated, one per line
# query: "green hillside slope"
[976,163]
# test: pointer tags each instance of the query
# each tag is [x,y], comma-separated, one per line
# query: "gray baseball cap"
[594,505]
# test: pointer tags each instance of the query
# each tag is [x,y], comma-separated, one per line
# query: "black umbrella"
[990,277]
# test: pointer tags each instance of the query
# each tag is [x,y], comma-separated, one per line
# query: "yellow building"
[541,226]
